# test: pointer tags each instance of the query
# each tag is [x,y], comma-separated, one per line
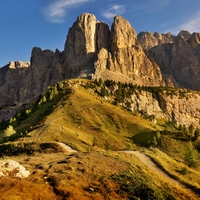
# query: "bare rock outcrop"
[149,40]
[80,47]
[181,107]
[11,78]
[126,57]
[12,168]
[178,58]
[22,81]
[45,70]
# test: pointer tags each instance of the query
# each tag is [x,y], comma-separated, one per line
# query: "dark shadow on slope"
[143,138]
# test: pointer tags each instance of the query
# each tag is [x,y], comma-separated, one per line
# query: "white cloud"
[113,11]
[56,11]
[191,25]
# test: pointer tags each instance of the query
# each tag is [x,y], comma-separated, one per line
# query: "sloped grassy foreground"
[92,175]
[79,114]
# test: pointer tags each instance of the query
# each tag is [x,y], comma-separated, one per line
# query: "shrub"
[95,142]
[9,131]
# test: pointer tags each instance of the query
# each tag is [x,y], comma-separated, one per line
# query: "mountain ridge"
[177,56]
[93,51]
[90,47]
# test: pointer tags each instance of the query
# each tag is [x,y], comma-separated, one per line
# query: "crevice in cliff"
[162,103]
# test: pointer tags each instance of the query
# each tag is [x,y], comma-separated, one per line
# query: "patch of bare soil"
[64,176]
[66,147]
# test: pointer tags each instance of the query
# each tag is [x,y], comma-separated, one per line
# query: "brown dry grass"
[81,176]
[76,176]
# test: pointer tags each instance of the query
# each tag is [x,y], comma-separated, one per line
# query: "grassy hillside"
[85,120]
[80,115]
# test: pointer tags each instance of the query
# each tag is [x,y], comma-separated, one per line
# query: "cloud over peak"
[56,11]
[191,24]
[113,11]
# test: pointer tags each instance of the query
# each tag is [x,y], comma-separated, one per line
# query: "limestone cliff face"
[93,50]
[125,57]
[183,108]
[178,57]
[149,40]
[11,79]
[85,39]
[80,46]
[22,81]
[45,70]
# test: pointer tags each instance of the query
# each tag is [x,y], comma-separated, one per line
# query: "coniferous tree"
[103,92]
[99,83]
[196,134]
[191,156]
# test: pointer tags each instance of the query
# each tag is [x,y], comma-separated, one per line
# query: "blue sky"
[45,23]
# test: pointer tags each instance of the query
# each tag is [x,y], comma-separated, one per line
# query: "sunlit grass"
[176,169]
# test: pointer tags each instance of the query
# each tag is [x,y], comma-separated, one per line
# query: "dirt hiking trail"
[151,165]
[66,147]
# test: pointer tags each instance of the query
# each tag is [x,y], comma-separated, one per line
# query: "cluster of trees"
[129,88]
[156,140]
[9,125]
[121,91]
[191,132]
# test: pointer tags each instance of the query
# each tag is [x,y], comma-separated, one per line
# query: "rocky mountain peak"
[91,50]
[18,64]
[149,39]
[123,34]
[177,56]
[185,34]
[124,57]
[194,40]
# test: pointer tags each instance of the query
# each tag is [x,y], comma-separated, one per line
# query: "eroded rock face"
[22,81]
[11,78]
[18,65]
[80,47]
[178,58]
[91,50]
[149,40]
[181,107]
[125,57]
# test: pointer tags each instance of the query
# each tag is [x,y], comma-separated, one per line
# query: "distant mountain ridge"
[92,51]
[177,56]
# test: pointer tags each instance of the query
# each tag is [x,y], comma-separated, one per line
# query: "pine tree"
[103,92]
[196,134]
[191,156]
